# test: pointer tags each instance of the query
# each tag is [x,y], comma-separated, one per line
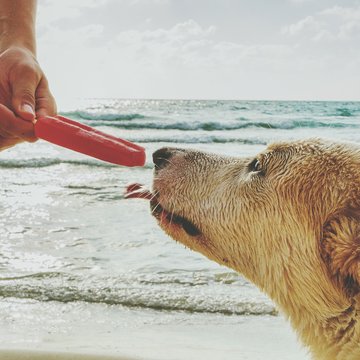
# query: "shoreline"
[53,355]
[34,330]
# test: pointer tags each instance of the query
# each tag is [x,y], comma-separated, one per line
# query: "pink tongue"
[137,191]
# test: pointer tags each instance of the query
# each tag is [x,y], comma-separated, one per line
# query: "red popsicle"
[84,139]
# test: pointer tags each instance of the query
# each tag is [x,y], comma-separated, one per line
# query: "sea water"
[70,241]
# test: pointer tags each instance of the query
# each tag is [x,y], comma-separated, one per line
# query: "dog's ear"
[340,248]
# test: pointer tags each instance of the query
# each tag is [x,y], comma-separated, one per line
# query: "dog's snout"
[162,157]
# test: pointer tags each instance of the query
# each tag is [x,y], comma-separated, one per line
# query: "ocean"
[72,245]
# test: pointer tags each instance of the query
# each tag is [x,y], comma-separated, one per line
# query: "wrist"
[14,35]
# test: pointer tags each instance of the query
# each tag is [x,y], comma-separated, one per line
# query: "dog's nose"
[161,157]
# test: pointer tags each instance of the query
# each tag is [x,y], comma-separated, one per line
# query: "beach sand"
[42,355]
[63,330]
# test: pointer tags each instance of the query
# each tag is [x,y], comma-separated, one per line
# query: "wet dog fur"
[287,219]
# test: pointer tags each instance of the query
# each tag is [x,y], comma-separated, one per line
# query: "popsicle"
[84,139]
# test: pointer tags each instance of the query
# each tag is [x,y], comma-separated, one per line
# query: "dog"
[288,220]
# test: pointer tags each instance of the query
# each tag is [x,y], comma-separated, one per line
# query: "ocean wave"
[131,294]
[46,162]
[111,116]
[29,163]
[237,108]
[343,112]
[200,140]
[217,125]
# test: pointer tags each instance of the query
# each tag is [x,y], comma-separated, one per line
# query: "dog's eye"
[255,166]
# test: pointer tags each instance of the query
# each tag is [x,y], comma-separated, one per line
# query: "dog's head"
[287,218]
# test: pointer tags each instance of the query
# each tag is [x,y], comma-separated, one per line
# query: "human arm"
[24,90]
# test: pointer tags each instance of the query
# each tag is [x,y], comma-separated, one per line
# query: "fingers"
[45,102]
[24,86]
[24,94]
[14,127]
[32,97]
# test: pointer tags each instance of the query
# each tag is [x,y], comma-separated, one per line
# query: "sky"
[201,49]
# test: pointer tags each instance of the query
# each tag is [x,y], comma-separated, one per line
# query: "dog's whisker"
[155,208]
[172,214]
[153,196]
[167,160]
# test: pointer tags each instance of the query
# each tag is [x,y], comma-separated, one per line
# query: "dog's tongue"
[137,191]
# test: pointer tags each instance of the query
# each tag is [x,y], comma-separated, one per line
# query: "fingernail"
[28,109]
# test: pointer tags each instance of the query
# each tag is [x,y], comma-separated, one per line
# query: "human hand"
[24,95]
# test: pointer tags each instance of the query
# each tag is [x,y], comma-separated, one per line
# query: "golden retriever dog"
[288,220]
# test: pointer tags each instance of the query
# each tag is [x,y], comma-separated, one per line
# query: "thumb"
[23,96]
[45,102]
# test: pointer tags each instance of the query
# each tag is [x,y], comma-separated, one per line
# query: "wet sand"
[42,355]
[97,331]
